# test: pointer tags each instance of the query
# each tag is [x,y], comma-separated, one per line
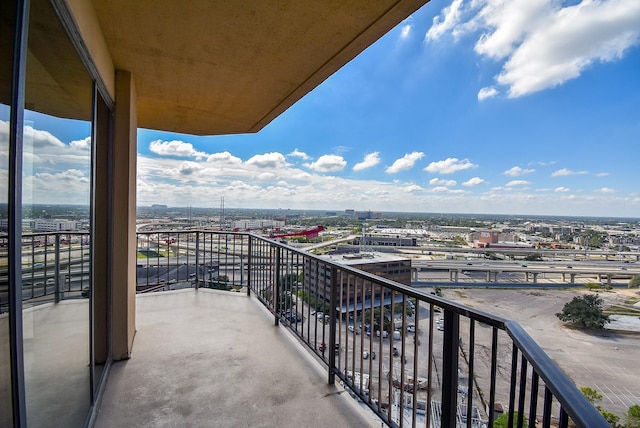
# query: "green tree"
[288,281]
[610,417]
[632,420]
[635,281]
[585,311]
[397,310]
[591,394]
[502,421]
[378,314]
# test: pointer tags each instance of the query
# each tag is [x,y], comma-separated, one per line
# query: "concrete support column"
[488,276]
[526,277]
[535,277]
[123,217]
[573,278]
[495,276]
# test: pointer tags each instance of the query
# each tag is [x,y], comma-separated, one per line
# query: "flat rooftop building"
[356,295]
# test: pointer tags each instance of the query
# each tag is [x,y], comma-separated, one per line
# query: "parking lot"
[606,361]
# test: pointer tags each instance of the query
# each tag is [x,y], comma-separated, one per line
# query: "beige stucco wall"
[123,217]
[89,27]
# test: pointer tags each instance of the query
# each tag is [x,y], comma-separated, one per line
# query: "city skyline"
[465,107]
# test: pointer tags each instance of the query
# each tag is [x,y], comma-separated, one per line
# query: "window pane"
[7,29]
[56,245]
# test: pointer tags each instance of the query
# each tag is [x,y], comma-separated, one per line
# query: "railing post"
[248,266]
[197,258]
[276,293]
[450,368]
[332,326]
[56,280]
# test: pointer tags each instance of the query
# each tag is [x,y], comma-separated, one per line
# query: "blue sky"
[470,106]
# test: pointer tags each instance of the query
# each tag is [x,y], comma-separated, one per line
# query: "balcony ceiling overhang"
[222,67]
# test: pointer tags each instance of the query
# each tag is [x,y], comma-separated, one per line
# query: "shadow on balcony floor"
[208,358]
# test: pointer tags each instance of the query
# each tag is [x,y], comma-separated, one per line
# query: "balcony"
[242,330]
[209,357]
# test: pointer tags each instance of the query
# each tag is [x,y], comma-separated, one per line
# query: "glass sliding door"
[8,11]
[56,257]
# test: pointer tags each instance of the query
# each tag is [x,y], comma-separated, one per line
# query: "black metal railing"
[55,267]
[169,260]
[415,359]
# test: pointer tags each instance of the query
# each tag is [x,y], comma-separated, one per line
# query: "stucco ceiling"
[221,67]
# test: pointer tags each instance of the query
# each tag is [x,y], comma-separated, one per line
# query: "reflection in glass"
[7,29]
[56,246]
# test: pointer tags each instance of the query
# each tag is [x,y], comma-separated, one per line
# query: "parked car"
[365,355]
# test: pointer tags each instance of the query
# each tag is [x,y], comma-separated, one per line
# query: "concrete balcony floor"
[209,358]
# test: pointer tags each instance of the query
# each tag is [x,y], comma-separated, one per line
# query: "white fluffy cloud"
[175,148]
[518,183]
[268,160]
[475,181]
[542,44]
[327,163]
[449,166]
[487,92]
[69,186]
[188,168]
[446,21]
[410,188]
[441,182]
[39,140]
[405,31]
[370,160]
[224,158]
[404,163]
[83,145]
[562,189]
[516,171]
[298,154]
[565,172]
